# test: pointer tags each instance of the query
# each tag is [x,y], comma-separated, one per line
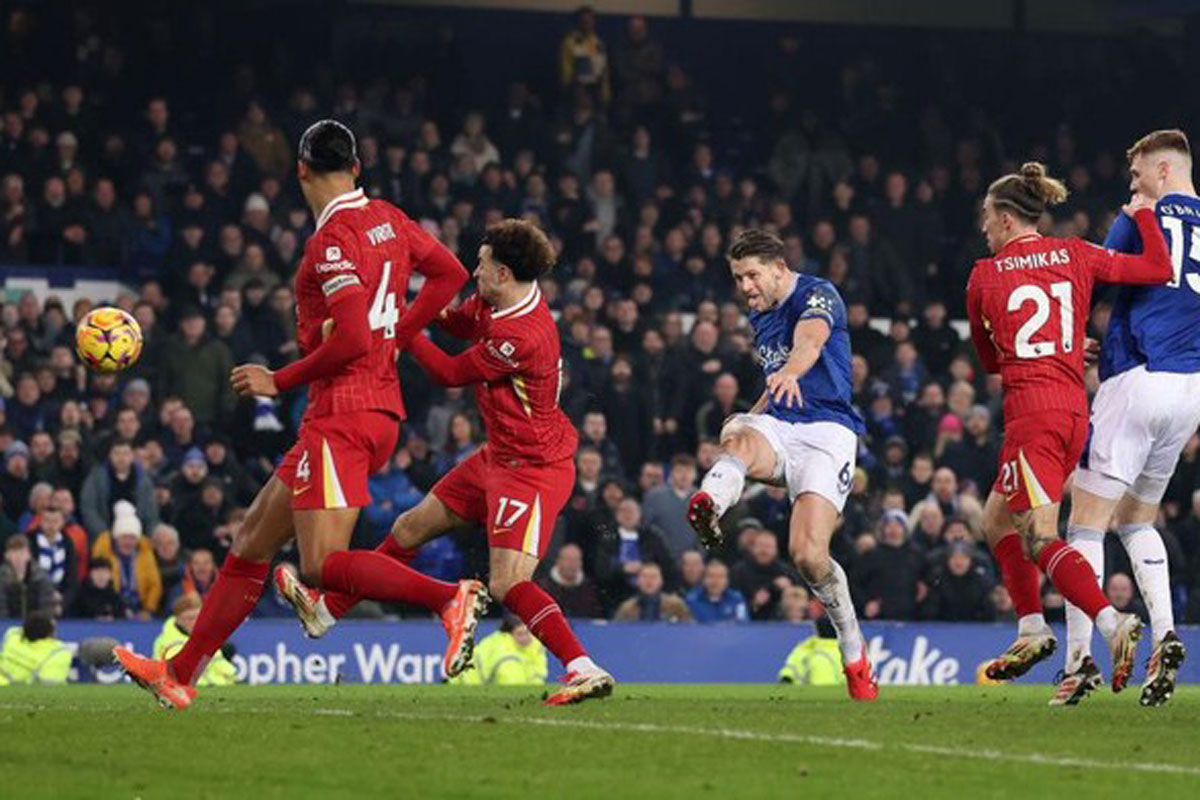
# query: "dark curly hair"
[522,247]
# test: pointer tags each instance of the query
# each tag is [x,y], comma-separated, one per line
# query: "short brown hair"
[1168,139]
[757,243]
[1027,192]
[522,247]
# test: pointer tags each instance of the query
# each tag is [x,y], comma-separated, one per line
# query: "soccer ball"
[108,339]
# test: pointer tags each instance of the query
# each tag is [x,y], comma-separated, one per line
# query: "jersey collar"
[354,199]
[527,304]
[1029,237]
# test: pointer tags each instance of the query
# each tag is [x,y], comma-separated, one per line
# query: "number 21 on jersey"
[1031,293]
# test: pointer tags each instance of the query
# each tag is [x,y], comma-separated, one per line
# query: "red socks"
[1019,574]
[1073,576]
[231,599]
[371,574]
[338,603]
[545,620]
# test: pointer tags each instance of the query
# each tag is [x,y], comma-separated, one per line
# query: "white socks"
[724,482]
[1148,556]
[582,664]
[1031,624]
[834,594]
[1089,542]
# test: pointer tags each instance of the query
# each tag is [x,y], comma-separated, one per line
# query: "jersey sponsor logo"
[1054,258]
[339,282]
[333,253]
[507,349]
[335,266]
[381,233]
[773,357]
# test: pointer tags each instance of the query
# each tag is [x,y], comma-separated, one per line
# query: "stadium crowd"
[120,493]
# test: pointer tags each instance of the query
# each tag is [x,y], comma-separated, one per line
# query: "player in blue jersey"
[1147,408]
[802,433]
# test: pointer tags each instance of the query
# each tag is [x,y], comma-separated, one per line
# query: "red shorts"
[334,455]
[1039,452]
[517,504]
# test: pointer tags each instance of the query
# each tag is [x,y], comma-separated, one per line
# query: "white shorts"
[1140,422]
[815,457]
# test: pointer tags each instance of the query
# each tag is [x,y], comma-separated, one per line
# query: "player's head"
[1016,202]
[513,253]
[759,269]
[327,148]
[1160,162]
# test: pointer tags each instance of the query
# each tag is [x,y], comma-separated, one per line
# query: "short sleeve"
[335,265]
[821,301]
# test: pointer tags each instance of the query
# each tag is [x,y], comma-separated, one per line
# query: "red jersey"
[1028,306]
[516,362]
[360,245]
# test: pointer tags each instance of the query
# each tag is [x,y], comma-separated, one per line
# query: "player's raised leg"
[814,519]
[1035,640]
[459,606]
[267,527]
[745,453]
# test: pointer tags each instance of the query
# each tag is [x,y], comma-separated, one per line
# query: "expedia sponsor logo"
[335,266]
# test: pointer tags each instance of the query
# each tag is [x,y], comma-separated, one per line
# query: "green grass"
[646,741]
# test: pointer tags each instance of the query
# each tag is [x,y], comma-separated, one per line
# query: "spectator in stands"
[583,59]
[24,586]
[959,592]
[594,433]
[196,369]
[574,591]
[945,493]
[97,599]
[617,559]
[16,481]
[55,553]
[201,572]
[714,600]
[762,577]
[117,478]
[691,570]
[651,603]
[665,508]
[135,572]
[171,560]
[974,457]
[1120,592]
[887,577]
[794,604]
[628,414]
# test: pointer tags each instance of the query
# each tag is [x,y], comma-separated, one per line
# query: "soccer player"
[1028,305]
[350,288]
[518,482]
[1147,408]
[802,433]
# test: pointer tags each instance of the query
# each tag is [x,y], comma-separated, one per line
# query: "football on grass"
[108,339]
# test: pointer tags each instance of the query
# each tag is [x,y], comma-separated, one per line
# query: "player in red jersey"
[349,288]
[518,482]
[1028,306]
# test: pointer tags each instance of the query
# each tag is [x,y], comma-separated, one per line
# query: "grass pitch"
[657,742]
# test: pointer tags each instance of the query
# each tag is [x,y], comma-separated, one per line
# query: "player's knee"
[736,442]
[812,561]
[405,532]
[499,586]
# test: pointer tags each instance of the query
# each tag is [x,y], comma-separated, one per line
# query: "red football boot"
[860,681]
[155,677]
[460,618]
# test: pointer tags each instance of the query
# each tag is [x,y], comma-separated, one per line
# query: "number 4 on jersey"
[384,312]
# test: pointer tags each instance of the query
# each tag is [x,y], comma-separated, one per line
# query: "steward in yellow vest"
[30,654]
[175,631]
[509,657]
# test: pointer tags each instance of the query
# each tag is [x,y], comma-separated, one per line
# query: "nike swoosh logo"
[300,490]
[1154,561]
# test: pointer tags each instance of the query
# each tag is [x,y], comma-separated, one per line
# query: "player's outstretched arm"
[444,277]
[1153,265]
[350,339]
[809,337]
[476,365]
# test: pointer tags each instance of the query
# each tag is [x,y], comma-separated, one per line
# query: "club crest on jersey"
[502,352]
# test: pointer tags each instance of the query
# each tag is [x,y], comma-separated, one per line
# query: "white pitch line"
[1034,759]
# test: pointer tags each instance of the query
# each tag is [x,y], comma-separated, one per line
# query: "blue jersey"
[1158,326]
[825,389]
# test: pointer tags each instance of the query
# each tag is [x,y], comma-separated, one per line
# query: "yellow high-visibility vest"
[814,662]
[26,662]
[500,661]
[219,672]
